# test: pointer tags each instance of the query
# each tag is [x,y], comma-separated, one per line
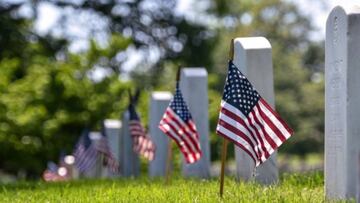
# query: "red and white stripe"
[50,176]
[259,134]
[103,147]
[183,133]
[85,158]
[143,145]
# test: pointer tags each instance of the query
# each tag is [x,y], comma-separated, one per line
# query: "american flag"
[86,153]
[103,147]
[143,145]
[247,120]
[51,173]
[177,123]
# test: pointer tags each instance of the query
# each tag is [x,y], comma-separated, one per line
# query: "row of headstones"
[194,88]
[253,57]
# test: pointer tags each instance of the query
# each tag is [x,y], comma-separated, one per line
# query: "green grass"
[291,188]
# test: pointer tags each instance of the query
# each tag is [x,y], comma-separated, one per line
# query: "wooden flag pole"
[168,163]
[169,153]
[178,74]
[231,52]
[223,160]
[225,142]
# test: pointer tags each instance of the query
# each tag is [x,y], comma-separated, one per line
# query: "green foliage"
[152,25]
[48,95]
[292,188]
[44,110]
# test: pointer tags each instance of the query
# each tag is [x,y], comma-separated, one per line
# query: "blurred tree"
[47,95]
[45,110]
[156,29]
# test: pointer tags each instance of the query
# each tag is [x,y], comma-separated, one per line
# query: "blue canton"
[179,106]
[238,91]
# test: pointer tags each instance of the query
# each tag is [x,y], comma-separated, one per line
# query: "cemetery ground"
[295,187]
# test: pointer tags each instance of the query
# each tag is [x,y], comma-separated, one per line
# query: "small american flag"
[51,173]
[85,152]
[103,147]
[143,145]
[177,123]
[247,120]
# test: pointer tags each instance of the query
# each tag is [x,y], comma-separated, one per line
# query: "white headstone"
[98,169]
[129,160]
[159,101]
[194,88]
[112,130]
[69,162]
[342,99]
[252,55]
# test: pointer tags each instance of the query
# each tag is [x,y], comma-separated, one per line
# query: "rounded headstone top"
[198,72]
[347,10]
[112,123]
[253,42]
[161,96]
[338,11]
[95,135]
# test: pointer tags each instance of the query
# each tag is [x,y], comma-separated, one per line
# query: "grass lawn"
[292,188]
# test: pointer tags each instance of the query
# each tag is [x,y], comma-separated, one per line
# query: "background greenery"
[48,94]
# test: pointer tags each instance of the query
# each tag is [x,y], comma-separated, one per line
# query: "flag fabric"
[51,173]
[142,143]
[248,120]
[177,123]
[85,153]
[103,147]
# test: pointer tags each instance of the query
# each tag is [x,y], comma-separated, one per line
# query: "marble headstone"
[194,88]
[129,160]
[112,130]
[98,169]
[342,99]
[159,101]
[253,57]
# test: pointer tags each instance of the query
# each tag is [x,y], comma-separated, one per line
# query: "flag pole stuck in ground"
[168,162]
[142,143]
[247,120]
[177,123]
[225,141]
